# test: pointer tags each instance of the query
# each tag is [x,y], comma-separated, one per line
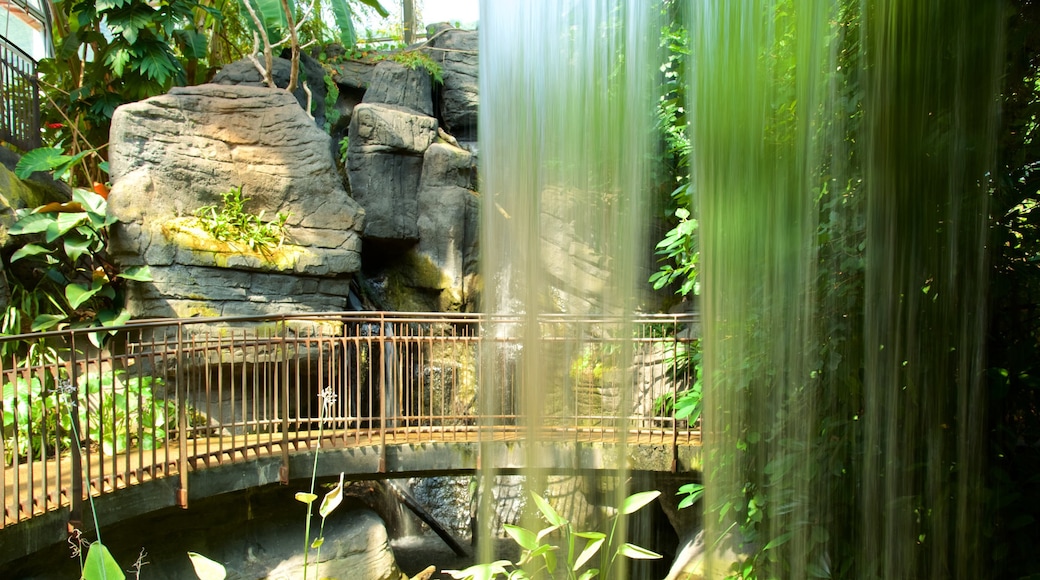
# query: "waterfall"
[840,167]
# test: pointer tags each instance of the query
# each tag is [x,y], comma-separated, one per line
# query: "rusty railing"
[19,97]
[164,398]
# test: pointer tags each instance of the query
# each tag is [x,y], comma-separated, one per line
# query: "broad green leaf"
[130,20]
[40,159]
[634,502]
[778,541]
[113,318]
[304,497]
[137,273]
[102,5]
[100,565]
[636,553]
[77,294]
[28,250]
[91,201]
[379,7]
[522,536]
[205,568]
[332,499]
[317,543]
[344,22]
[547,510]
[76,245]
[546,531]
[64,222]
[589,574]
[46,322]
[682,213]
[193,44]
[32,223]
[117,58]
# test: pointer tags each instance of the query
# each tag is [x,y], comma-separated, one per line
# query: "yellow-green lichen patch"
[187,233]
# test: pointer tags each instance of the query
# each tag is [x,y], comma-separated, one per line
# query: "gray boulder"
[172,154]
[384,164]
[448,222]
[456,51]
[393,83]
[243,72]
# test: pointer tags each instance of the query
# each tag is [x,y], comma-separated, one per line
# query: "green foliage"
[679,254]
[315,27]
[686,403]
[415,60]
[331,98]
[113,52]
[344,146]
[538,557]
[115,411]
[100,565]
[70,265]
[232,223]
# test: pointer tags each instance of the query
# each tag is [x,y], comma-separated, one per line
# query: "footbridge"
[155,414]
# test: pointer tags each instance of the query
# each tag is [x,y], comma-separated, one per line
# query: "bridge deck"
[107,474]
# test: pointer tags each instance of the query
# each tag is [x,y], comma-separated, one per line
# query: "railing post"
[283,470]
[382,393]
[76,507]
[675,394]
[182,421]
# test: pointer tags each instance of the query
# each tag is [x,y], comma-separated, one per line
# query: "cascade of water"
[841,151]
[841,157]
[565,129]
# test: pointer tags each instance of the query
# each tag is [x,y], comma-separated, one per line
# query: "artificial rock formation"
[172,154]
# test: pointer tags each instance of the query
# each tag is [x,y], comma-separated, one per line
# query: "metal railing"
[164,398]
[19,97]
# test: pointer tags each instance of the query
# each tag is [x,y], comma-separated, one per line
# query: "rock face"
[172,154]
[417,187]
[244,72]
[456,51]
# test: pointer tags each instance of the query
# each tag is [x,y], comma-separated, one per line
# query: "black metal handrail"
[19,97]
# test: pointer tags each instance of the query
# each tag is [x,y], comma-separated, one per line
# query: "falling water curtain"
[841,152]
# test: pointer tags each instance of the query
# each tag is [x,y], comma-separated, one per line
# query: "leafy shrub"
[37,414]
[232,223]
[70,266]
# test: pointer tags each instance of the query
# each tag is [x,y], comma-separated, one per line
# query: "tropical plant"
[70,264]
[116,411]
[538,558]
[232,223]
[110,52]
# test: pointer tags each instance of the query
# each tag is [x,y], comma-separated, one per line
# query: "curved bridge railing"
[160,399]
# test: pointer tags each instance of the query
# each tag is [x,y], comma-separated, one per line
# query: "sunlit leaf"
[77,294]
[636,501]
[304,497]
[637,553]
[525,538]
[28,250]
[547,510]
[100,565]
[332,499]
[205,568]
[46,322]
[590,550]
[137,273]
